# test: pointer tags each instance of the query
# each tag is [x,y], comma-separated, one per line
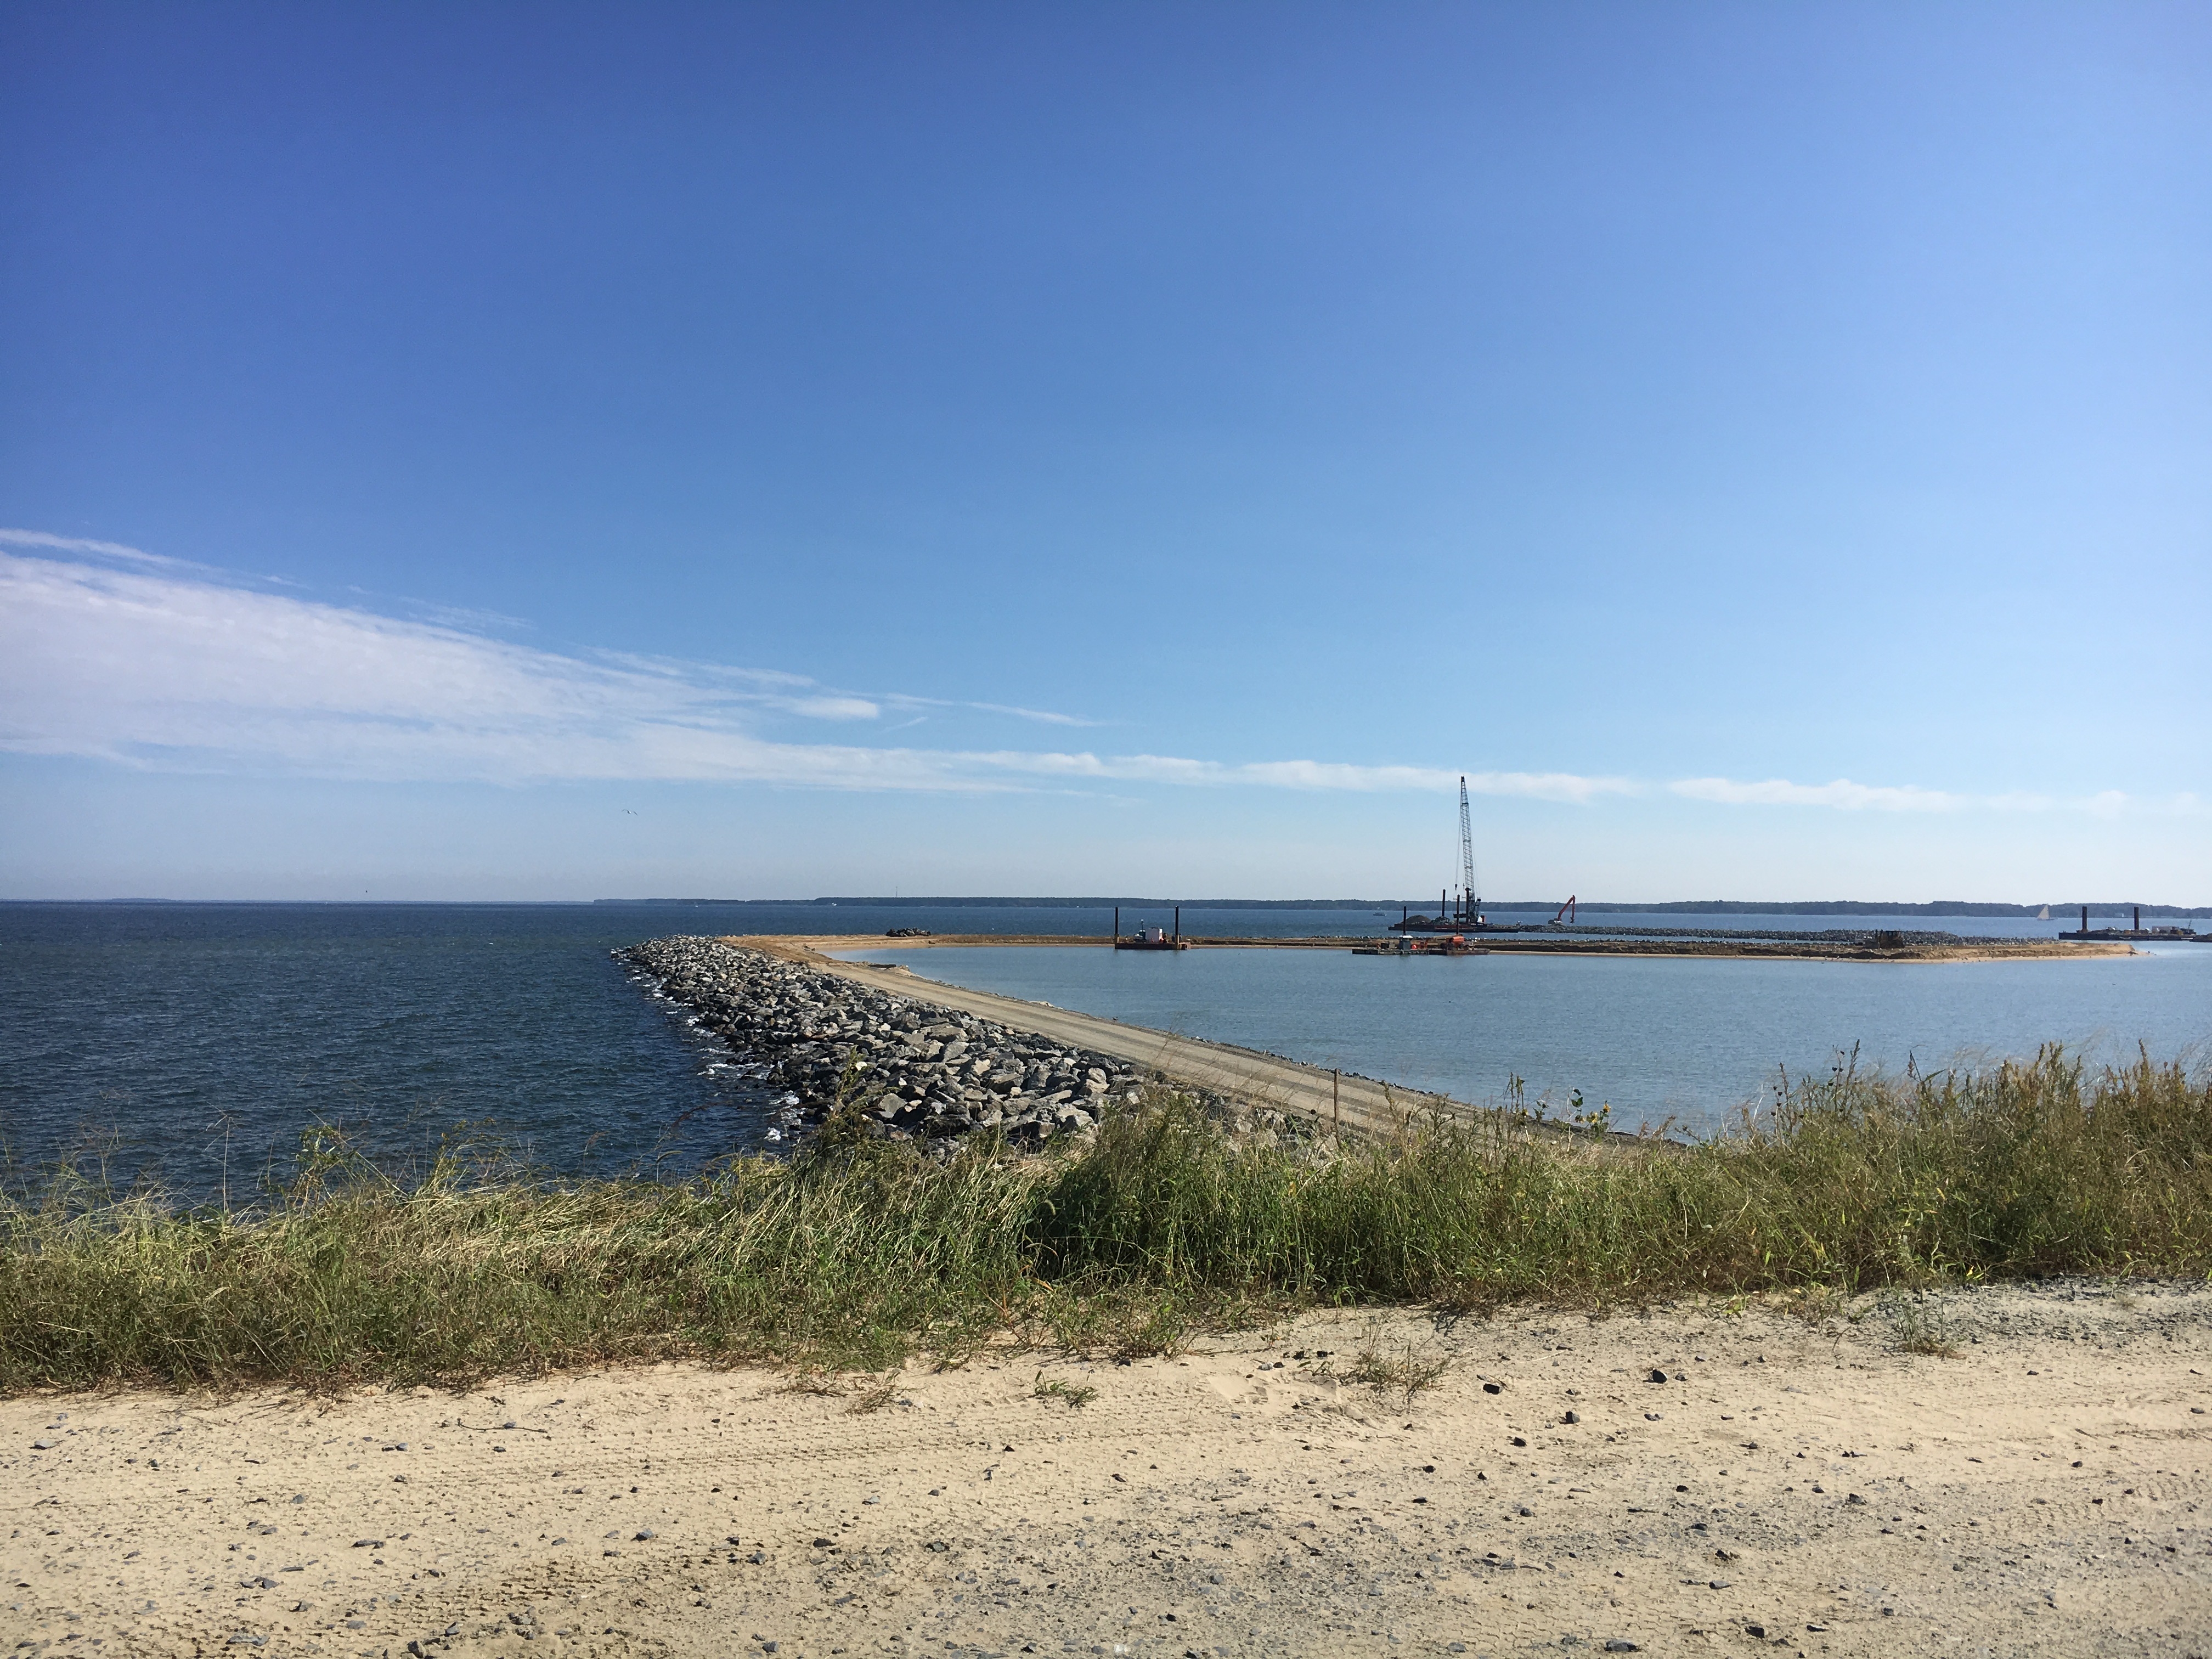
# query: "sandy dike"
[1790,1488]
[801,946]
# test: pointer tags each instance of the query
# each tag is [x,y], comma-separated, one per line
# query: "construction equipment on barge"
[1150,938]
[2176,935]
[1456,945]
[1463,909]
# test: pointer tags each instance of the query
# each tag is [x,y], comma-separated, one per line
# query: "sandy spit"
[807,946]
[1792,1486]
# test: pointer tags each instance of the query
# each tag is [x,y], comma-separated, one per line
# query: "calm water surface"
[1686,1038]
[197,1042]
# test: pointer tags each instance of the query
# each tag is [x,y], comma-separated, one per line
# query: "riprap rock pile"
[916,1070]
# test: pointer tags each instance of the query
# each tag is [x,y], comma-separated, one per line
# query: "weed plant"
[1074,1395]
[856,1253]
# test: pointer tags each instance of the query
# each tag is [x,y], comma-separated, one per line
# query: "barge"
[1150,938]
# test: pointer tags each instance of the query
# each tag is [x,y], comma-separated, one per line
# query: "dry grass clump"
[1074,1395]
[878,1392]
[1920,1327]
[857,1253]
[1403,1367]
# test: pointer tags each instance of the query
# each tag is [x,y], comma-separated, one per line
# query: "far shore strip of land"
[1994,949]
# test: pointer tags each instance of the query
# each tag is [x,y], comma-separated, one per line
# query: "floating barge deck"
[1455,946]
[2154,934]
[1150,938]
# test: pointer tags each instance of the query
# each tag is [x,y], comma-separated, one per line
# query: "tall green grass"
[857,1252]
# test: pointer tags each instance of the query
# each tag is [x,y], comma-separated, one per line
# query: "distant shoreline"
[1995,949]
[2059,913]
[1514,907]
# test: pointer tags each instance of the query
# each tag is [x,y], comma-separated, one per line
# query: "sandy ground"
[1799,1486]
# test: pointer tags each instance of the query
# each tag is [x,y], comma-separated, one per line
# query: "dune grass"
[857,1253]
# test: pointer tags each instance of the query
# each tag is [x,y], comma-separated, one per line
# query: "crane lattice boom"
[1467,849]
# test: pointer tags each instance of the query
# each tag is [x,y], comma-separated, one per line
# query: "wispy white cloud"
[1041,716]
[795,694]
[162,663]
[830,707]
[1842,793]
[2105,803]
[1845,795]
[104,549]
[808,698]
[151,668]
[467,617]
[1316,774]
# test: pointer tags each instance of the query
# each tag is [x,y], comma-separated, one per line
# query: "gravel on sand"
[1803,1485]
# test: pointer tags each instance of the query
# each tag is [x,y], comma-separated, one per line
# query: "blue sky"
[567,451]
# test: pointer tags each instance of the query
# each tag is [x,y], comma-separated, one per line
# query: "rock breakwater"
[913,1070]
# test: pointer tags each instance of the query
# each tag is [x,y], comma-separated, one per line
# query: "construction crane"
[1467,854]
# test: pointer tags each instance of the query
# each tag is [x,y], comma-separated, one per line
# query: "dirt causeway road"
[1356,1103]
[1789,1488]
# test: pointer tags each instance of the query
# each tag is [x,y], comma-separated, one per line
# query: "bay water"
[1683,1041]
[194,1043]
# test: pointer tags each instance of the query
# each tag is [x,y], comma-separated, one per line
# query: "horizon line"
[1607,906]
